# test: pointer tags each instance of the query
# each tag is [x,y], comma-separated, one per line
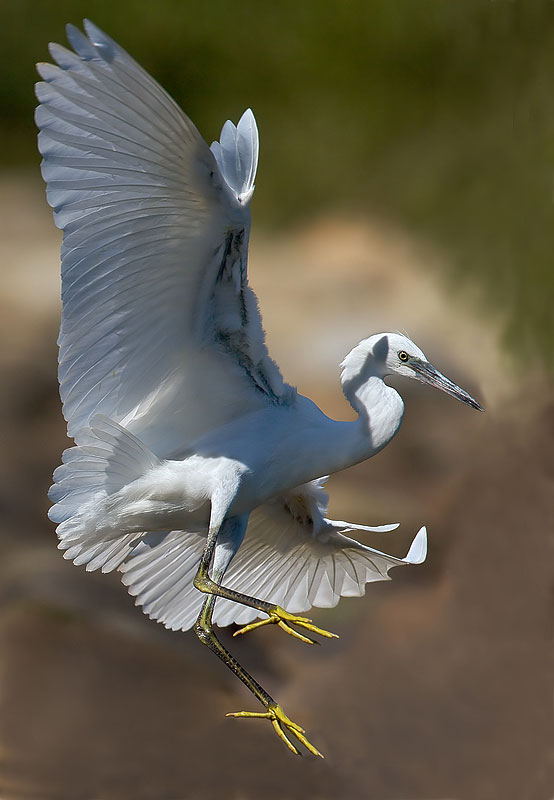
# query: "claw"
[282,618]
[280,721]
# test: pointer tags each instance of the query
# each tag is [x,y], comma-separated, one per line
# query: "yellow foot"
[282,618]
[280,721]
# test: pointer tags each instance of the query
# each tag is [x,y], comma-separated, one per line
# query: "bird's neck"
[380,410]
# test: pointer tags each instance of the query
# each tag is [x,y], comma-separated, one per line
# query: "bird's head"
[394,354]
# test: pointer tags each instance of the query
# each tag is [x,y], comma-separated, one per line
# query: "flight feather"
[154,254]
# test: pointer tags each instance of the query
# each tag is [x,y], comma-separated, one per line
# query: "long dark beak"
[427,373]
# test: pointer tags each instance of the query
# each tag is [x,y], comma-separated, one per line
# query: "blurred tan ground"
[441,684]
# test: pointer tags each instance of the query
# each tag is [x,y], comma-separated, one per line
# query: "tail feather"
[107,458]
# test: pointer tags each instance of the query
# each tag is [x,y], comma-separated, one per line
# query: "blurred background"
[405,182]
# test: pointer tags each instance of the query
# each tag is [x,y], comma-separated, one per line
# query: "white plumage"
[161,332]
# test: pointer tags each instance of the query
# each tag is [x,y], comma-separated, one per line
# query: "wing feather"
[292,556]
[157,312]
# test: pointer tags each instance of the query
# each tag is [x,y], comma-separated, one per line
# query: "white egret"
[188,443]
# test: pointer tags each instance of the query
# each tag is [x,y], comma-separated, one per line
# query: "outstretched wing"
[160,330]
[292,555]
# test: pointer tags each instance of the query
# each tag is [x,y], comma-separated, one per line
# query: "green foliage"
[436,113]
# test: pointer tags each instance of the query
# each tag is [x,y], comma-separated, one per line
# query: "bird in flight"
[197,471]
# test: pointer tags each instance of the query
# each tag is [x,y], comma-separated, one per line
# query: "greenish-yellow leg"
[224,550]
[275,614]
[282,724]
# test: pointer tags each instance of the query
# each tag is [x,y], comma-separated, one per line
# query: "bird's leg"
[275,614]
[225,546]
[282,724]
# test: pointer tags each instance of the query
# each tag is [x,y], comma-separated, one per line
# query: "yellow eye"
[403,355]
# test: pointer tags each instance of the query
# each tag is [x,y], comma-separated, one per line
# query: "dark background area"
[405,182]
[440,114]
